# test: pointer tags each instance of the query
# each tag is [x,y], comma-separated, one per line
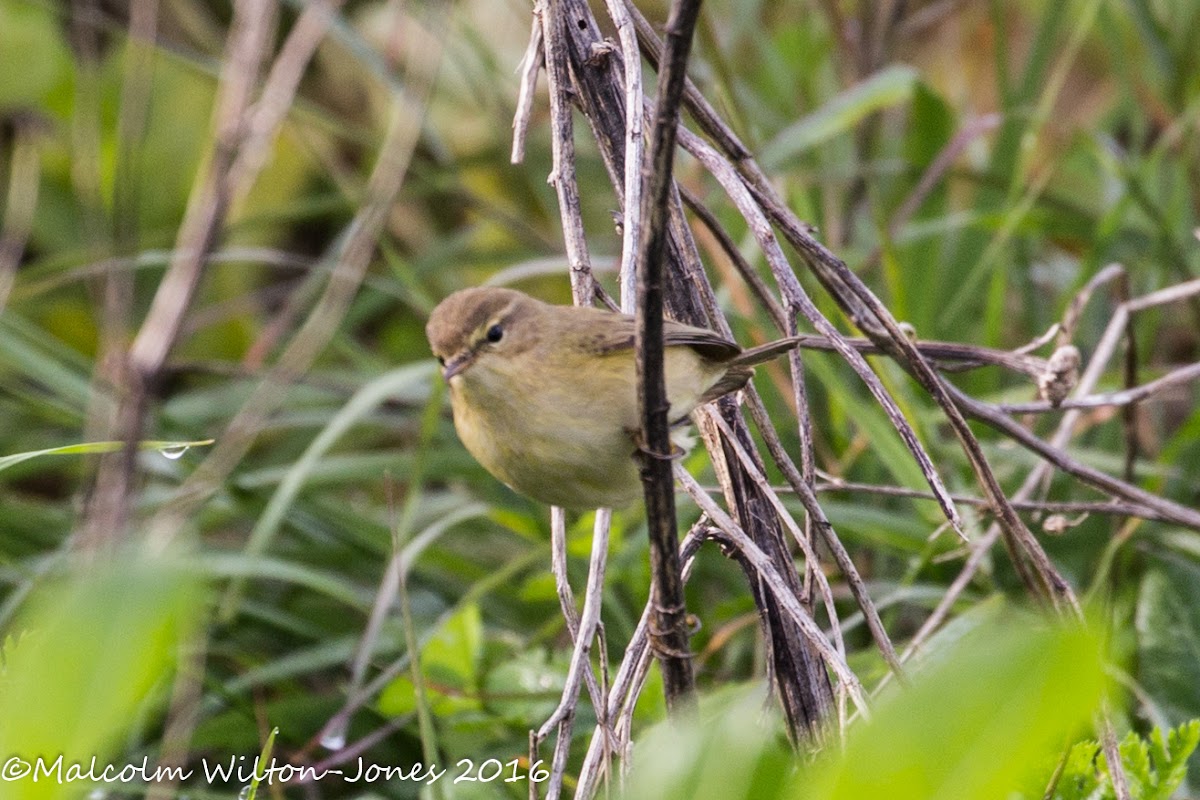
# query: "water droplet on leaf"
[334,739]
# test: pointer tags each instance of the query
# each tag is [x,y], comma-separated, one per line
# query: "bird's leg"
[638,437]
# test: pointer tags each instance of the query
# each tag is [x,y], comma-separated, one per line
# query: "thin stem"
[670,620]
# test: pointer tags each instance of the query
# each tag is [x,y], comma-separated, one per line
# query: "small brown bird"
[545,396]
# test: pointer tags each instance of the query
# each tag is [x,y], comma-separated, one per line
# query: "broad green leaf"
[1168,630]
[732,751]
[449,662]
[1168,625]
[526,686]
[34,58]
[888,87]
[972,725]
[94,655]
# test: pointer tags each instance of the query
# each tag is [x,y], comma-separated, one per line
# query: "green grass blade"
[169,449]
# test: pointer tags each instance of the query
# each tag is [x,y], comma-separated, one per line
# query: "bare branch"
[631,59]
[1125,397]
[563,145]
[799,536]
[349,260]
[1041,506]
[670,621]
[629,678]
[21,200]
[249,40]
[805,492]
[733,533]
[531,66]
[563,717]
[798,302]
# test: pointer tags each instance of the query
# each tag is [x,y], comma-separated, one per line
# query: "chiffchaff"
[545,396]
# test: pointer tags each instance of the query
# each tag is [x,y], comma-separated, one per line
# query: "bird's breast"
[561,435]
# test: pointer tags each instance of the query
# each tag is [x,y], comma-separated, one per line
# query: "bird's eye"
[441,361]
[495,334]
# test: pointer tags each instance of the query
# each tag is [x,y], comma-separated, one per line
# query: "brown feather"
[615,337]
[733,380]
[764,352]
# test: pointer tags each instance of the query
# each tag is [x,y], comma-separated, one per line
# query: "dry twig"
[248,42]
[609,100]
[669,622]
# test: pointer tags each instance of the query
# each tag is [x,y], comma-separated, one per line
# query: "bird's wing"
[611,338]
[709,344]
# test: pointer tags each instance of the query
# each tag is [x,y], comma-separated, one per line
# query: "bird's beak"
[457,364]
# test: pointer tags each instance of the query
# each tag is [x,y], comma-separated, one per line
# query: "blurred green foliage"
[1092,159]
[974,723]
[985,717]
[93,661]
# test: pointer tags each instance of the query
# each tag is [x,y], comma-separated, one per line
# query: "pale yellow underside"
[562,437]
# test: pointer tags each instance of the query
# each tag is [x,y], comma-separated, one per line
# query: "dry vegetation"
[229,221]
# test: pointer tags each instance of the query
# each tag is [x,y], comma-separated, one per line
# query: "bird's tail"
[765,352]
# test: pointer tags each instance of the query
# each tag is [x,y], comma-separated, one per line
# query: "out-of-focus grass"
[92,661]
[991,709]
[1094,160]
